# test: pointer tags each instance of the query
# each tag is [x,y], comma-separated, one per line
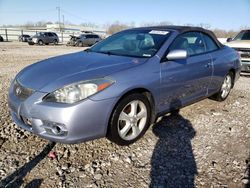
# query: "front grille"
[244,52]
[245,55]
[22,92]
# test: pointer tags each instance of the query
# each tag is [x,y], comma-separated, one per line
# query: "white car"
[241,43]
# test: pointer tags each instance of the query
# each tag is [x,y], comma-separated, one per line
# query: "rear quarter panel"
[224,60]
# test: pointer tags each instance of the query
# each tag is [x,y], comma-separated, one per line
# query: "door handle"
[208,65]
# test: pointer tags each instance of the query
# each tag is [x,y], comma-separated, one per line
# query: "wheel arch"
[140,90]
[233,71]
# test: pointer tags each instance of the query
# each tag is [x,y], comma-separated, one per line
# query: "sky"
[223,14]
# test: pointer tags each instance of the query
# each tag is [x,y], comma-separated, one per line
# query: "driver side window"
[190,41]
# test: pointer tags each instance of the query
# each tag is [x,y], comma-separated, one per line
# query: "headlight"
[78,91]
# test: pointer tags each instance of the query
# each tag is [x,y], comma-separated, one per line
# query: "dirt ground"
[206,145]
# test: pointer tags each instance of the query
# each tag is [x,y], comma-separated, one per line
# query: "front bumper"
[80,122]
[31,42]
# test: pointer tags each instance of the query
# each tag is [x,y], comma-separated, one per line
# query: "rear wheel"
[40,42]
[130,119]
[225,88]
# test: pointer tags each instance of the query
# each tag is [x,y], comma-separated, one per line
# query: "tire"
[125,126]
[225,89]
[40,42]
[55,42]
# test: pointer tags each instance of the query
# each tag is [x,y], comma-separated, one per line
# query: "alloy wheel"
[226,86]
[132,120]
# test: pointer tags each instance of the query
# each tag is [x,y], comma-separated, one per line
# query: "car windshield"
[243,35]
[39,34]
[134,43]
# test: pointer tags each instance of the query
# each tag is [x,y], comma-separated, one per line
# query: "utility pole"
[59,17]
[63,22]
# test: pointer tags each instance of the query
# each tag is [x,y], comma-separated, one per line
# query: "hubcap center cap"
[133,120]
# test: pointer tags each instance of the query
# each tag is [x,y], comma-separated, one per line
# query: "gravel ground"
[206,145]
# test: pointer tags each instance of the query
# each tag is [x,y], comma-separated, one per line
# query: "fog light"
[27,121]
[56,130]
[53,128]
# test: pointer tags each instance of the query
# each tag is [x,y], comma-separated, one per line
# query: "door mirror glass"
[177,54]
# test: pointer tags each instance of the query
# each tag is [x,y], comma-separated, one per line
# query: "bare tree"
[221,33]
[116,27]
[163,23]
[204,25]
[244,27]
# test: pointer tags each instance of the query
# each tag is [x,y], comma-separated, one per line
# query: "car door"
[88,40]
[50,37]
[45,38]
[185,80]
[218,65]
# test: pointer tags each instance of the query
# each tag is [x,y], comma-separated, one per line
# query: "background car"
[72,41]
[1,39]
[23,38]
[86,40]
[42,38]
[241,43]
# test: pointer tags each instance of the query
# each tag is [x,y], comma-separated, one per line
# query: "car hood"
[51,74]
[239,44]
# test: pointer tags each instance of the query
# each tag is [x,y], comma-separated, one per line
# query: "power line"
[27,11]
[73,15]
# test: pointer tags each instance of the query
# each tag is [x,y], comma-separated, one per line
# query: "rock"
[59,171]
[245,181]
[64,167]
[72,169]
[82,174]
[115,157]
[98,176]
[128,160]
[87,166]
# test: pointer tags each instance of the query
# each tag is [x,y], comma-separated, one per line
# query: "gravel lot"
[206,145]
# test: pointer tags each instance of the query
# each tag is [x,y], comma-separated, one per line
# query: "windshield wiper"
[105,52]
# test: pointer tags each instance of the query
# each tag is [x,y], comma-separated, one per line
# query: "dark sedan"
[23,38]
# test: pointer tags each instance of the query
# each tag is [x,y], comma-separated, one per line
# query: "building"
[76,29]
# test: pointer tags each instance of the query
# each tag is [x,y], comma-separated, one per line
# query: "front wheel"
[55,42]
[130,119]
[225,88]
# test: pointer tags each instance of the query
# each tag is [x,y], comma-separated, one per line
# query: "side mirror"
[229,39]
[177,54]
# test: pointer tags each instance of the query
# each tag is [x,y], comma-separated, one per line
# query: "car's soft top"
[183,29]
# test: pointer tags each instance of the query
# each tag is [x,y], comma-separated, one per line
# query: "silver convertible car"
[122,84]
